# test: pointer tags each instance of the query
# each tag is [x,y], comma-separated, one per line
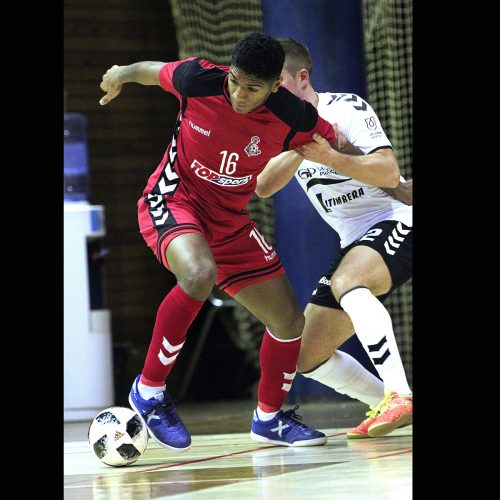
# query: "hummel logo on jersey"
[350,98]
[222,180]
[252,149]
[199,129]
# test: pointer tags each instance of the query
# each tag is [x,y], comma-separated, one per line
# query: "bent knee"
[289,327]
[312,355]
[306,364]
[198,279]
[342,282]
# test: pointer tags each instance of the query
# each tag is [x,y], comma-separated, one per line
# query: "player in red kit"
[192,214]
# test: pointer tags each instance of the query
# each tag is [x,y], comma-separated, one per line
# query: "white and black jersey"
[349,206]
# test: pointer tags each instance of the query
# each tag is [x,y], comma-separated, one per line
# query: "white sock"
[148,392]
[373,326]
[348,376]
[264,416]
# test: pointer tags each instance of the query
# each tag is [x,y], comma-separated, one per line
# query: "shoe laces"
[165,409]
[374,411]
[290,414]
[389,399]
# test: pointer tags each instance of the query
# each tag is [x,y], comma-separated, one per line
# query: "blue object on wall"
[333,32]
[76,162]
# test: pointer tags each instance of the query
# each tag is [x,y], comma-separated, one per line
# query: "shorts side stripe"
[174,229]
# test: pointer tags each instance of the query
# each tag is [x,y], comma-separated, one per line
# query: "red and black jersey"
[217,153]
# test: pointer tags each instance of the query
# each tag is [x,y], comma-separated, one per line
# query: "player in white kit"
[375,232]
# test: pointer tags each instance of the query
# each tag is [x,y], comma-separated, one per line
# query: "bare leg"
[360,277]
[273,302]
[325,330]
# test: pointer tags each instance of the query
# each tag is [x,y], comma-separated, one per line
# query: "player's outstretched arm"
[379,169]
[144,72]
[280,169]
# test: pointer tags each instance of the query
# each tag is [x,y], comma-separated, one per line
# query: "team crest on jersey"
[371,123]
[252,149]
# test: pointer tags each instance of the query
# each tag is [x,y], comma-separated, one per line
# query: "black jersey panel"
[298,114]
[191,79]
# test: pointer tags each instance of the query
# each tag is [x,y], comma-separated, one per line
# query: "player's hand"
[402,193]
[110,84]
[340,138]
[315,151]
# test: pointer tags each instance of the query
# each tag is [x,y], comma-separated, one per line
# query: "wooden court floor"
[224,463]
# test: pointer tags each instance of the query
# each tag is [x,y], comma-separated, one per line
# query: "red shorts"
[241,253]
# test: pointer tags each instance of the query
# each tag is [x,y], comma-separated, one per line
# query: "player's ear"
[277,83]
[303,76]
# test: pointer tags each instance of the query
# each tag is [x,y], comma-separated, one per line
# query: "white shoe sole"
[309,442]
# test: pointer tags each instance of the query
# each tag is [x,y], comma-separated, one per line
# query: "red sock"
[278,364]
[174,316]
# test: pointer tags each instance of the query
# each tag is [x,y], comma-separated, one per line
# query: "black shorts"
[393,241]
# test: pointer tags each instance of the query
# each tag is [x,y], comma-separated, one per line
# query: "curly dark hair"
[259,55]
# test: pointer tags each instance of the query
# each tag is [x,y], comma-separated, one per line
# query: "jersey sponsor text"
[209,175]
[339,200]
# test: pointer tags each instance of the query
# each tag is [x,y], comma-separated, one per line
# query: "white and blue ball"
[118,436]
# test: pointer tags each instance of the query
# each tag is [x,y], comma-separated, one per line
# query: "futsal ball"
[118,436]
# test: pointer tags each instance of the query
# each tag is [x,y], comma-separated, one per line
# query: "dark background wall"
[126,140]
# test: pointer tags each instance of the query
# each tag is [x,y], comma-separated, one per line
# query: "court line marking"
[391,454]
[215,457]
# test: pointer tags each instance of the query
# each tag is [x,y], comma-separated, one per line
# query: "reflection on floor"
[224,463]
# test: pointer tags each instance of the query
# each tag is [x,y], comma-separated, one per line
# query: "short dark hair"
[259,55]
[297,56]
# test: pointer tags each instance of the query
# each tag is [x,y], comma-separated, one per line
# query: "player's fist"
[111,84]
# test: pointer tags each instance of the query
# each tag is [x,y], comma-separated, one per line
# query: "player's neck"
[311,96]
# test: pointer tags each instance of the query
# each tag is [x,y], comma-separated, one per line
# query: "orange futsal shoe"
[361,431]
[394,411]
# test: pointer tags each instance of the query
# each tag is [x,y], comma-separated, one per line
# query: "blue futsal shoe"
[285,429]
[161,418]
